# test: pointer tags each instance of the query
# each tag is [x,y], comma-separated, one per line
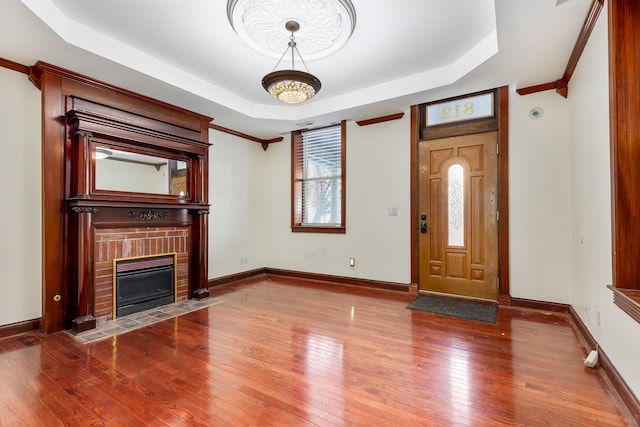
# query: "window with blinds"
[318,160]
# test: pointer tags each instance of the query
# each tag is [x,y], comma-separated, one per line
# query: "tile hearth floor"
[142,318]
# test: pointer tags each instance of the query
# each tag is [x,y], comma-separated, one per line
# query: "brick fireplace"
[108,231]
[132,242]
[87,221]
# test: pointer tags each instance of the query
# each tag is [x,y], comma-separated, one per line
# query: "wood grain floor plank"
[295,353]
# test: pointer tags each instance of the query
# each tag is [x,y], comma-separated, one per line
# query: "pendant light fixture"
[291,86]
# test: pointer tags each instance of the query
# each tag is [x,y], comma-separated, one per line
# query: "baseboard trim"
[628,399]
[583,333]
[504,299]
[19,328]
[539,305]
[224,280]
[341,280]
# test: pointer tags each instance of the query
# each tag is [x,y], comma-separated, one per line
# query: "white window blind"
[322,176]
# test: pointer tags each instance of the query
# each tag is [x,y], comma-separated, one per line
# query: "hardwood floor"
[286,353]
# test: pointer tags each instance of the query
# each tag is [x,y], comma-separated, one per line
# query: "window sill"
[315,229]
[628,300]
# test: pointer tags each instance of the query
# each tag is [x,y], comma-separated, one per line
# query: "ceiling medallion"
[325,25]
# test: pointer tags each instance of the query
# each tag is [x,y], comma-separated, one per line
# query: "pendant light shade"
[291,86]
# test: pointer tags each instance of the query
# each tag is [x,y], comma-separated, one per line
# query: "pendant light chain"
[293,46]
[299,56]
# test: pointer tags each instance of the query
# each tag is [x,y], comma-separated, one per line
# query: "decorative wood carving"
[85,209]
[149,215]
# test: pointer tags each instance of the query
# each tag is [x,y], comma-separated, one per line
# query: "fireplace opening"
[144,283]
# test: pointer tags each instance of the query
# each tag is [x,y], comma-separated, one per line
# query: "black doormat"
[457,308]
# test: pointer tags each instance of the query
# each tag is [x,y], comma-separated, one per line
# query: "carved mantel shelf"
[94,203]
[110,214]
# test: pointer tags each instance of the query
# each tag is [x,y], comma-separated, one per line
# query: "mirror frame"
[97,143]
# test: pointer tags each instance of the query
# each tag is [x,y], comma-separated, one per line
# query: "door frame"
[419,132]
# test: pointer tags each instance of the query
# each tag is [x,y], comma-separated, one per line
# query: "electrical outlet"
[393,211]
[352,262]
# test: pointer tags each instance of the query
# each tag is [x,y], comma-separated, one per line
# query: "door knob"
[423,227]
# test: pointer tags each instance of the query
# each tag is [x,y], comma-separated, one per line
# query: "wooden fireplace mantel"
[80,114]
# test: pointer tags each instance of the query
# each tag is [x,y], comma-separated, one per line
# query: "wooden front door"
[458,201]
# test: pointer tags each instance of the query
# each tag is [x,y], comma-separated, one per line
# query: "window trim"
[296,191]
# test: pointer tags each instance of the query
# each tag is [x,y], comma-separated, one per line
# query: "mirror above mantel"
[118,158]
[129,171]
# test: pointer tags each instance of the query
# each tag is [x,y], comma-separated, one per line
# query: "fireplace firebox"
[143,283]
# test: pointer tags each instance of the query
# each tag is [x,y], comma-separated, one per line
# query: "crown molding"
[562,85]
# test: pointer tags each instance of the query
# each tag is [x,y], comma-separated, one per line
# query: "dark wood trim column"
[415,261]
[82,179]
[55,298]
[199,268]
[85,319]
[199,272]
[503,193]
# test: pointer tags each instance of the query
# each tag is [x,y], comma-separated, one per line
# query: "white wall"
[591,209]
[378,166]
[539,207]
[20,216]
[378,169]
[239,203]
